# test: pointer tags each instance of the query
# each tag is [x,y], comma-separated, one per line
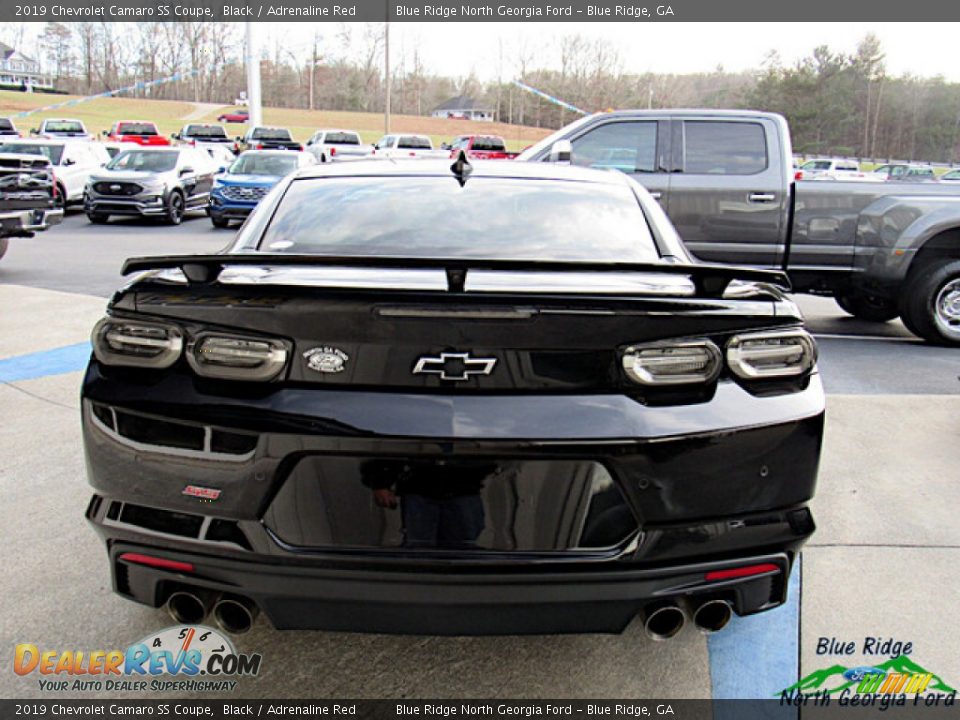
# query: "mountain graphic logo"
[834,679]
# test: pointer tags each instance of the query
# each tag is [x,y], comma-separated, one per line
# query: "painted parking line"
[758,656]
[57,361]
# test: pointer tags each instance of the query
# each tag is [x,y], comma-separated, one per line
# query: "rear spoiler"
[710,280]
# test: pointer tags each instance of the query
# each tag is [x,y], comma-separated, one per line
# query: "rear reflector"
[156,562]
[740,572]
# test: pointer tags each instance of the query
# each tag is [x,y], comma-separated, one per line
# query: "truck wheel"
[175,209]
[930,303]
[97,218]
[871,308]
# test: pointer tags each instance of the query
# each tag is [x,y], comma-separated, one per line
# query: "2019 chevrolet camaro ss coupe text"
[444,399]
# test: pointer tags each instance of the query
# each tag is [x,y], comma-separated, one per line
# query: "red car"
[234,116]
[481,147]
[136,131]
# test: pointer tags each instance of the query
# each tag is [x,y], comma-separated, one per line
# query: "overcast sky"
[458,49]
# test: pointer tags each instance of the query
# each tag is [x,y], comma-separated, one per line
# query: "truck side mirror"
[561,152]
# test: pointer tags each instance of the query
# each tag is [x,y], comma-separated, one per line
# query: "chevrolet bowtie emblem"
[454,366]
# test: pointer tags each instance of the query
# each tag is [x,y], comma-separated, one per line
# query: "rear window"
[63,126]
[5,124]
[130,128]
[492,218]
[848,167]
[206,131]
[338,138]
[490,144]
[52,152]
[923,172]
[412,142]
[724,148]
[271,134]
[816,165]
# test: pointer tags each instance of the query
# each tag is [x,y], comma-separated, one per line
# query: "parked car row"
[844,169]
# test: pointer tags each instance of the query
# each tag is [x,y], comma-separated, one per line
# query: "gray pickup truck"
[27,197]
[726,180]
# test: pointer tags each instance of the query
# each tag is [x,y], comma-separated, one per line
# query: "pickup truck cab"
[28,203]
[266,138]
[726,180]
[481,147]
[406,146]
[7,128]
[135,131]
[337,145]
[202,135]
[61,128]
[73,162]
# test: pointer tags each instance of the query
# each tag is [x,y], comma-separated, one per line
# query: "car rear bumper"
[597,505]
[448,601]
[16,222]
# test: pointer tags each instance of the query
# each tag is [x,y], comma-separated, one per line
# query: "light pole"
[386,73]
[253,78]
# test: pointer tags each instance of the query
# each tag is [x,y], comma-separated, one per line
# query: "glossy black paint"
[552,494]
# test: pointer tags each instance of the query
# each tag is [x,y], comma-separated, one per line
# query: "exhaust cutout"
[712,616]
[663,621]
[190,607]
[235,614]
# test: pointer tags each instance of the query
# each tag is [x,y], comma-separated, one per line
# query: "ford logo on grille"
[115,188]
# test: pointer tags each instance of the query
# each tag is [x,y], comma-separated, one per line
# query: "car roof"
[481,168]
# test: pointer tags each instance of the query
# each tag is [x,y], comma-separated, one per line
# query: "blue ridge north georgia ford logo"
[326,359]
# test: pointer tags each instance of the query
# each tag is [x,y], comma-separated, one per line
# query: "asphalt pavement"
[879,566]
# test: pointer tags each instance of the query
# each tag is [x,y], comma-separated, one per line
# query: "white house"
[463,108]
[20,70]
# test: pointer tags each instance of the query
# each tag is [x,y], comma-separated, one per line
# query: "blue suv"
[237,190]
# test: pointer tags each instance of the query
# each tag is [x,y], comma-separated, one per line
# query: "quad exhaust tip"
[190,607]
[712,616]
[662,622]
[235,614]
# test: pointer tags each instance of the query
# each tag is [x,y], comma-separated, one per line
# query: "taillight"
[260,147]
[772,354]
[136,343]
[680,363]
[798,175]
[333,151]
[237,358]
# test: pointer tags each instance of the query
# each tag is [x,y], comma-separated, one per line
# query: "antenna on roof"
[461,168]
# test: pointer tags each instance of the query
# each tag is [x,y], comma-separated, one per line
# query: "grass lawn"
[169,115]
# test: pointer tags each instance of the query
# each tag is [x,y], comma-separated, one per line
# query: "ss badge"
[326,359]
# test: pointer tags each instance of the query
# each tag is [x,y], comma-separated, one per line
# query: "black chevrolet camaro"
[453,399]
